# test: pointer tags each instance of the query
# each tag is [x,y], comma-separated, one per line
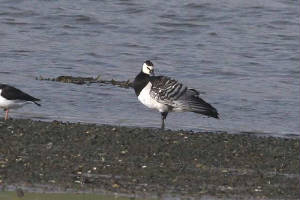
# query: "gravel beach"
[149,162]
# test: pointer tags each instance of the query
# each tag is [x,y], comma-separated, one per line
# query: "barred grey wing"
[166,90]
[180,98]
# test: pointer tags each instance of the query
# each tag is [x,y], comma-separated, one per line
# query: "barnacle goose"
[13,98]
[165,94]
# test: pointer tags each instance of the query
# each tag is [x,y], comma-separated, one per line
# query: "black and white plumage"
[166,95]
[13,98]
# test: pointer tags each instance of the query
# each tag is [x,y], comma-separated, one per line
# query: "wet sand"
[149,162]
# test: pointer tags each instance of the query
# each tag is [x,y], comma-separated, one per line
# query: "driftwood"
[87,80]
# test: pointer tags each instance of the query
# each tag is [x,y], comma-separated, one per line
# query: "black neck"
[140,81]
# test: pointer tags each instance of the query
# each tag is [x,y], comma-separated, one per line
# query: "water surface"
[244,57]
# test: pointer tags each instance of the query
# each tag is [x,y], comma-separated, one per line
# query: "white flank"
[11,104]
[146,99]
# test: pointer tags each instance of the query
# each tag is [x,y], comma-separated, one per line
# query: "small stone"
[20,192]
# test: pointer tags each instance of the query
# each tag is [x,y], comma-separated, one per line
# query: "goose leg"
[163,117]
[6,114]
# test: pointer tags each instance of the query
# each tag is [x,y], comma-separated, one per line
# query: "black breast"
[140,81]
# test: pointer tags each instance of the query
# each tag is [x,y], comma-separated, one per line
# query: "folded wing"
[12,93]
[174,94]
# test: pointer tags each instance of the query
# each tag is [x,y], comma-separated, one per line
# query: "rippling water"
[243,55]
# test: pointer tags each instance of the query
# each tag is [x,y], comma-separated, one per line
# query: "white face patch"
[148,69]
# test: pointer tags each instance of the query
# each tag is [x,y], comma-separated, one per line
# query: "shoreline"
[131,161]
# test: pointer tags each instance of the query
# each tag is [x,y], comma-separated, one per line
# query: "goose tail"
[198,105]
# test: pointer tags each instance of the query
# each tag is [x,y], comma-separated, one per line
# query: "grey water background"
[243,55]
